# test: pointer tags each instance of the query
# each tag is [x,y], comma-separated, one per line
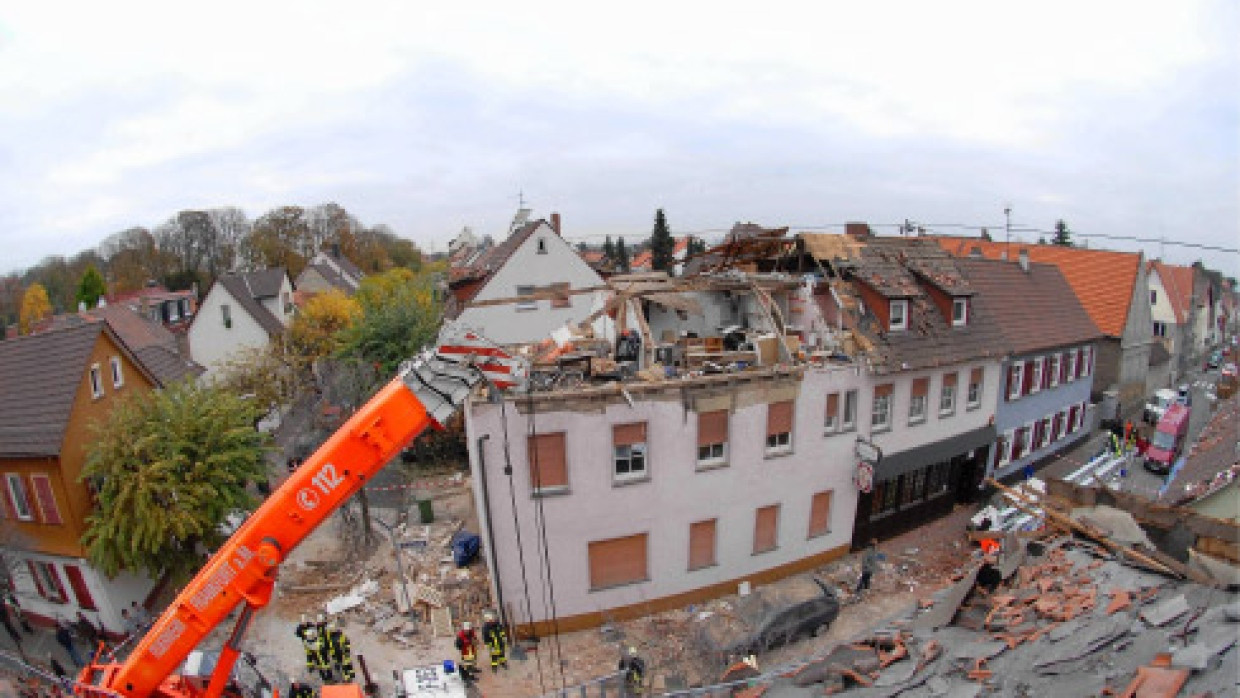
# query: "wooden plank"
[441,622]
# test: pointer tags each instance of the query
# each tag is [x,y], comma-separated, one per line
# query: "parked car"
[771,617]
[1215,360]
[1157,405]
[1168,440]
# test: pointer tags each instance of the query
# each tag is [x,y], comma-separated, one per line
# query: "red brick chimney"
[555,223]
[857,230]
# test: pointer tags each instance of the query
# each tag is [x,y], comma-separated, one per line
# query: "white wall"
[676,495]
[276,305]
[210,343]
[506,324]
[111,596]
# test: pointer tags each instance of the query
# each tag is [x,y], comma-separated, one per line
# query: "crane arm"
[426,393]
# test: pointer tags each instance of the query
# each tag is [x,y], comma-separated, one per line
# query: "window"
[1080,363]
[96,382]
[226,313]
[118,379]
[1070,366]
[47,581]
[917,403]
[1041,433]
[19,497]
[526,305]
[629,447]
[713,437]
[831,423]
[850,410]
[1072,419]
[1003,447]
[1081,416]
[1016,373]
[618,561]
[1020,442]
[1035,376]
[1160,329]
[548,463]
[947,395]
[912,486]
[779,427]
[880,414]
[1153,297]
[937,479]
[976,376]
[1046,372]
[960,312]
[46,498]
[766,529]
[702,544]
[1065,365]
[820,514]
[560,299]
[1057,427]
[542,245]
[80,591]
[1088,352]
[899,315]
[1054,370]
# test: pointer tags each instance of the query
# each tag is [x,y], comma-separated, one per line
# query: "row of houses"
[61,380]
[789,400]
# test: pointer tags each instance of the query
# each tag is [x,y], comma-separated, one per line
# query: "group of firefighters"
[329,655]
[496,639]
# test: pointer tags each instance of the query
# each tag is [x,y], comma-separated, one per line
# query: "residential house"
[522,289]
[1043,401]
[328,270]
[172,309]
[53,387]
[1113,289]
[743,465]
[241,311]
[1173,314]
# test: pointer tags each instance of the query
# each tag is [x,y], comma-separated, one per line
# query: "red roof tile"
[1102,280]
[1178,283]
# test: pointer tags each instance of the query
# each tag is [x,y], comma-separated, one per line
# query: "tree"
[609,250]
[662,246]
[278,239]
[622,255]
[91,287]
[268,376]
[35,307]
[400,317]
[319,324]
[696,246]
[166,468]
[1063,236]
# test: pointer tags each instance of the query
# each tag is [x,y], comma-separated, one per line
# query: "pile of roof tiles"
[1067,620]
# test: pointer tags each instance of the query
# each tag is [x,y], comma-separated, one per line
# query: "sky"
[1122,118]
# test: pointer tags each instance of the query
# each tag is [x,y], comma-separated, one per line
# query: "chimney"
[860,231]
[1023,260]
[555,224]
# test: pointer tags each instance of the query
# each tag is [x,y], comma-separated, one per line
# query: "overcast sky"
[1121,117]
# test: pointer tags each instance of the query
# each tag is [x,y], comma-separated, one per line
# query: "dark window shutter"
[80,591]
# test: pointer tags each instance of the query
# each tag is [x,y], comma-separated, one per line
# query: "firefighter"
[634,668]
[341,651]
[467,644]
[300,690]
[316,662]
[497,640]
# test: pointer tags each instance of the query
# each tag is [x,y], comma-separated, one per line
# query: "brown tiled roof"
[330,275]
[167,365]
[1178,283]
[241,288]
[1102,280]
[884,265]
[1034,310]
[264,283]
[39,376]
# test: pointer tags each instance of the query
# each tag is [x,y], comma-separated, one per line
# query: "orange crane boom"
[243,571]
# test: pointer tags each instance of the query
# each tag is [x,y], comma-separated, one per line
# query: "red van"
[1168,440]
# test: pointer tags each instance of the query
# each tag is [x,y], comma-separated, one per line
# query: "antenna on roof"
[523,213]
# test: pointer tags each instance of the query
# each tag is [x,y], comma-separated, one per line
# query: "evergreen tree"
[609,250]
[661,244]
[167,468]
[1063,236]
[696,246]
[91,287]
[622,255]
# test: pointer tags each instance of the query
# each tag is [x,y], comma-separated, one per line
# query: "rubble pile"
[1065,619]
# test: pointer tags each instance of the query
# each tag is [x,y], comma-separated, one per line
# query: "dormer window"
[899,315]
[542,245]
[960,312]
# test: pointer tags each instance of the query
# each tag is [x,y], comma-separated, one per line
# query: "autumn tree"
[278,239]
[166,468]
[400,317]
[91,287]
[319,324]
[269,376]
[662,246]
[35,307]
[132,258]
[1063,236]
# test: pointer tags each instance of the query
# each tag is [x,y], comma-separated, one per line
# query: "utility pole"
[1007,230]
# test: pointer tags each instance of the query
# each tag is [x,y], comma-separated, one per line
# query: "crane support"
[425,394]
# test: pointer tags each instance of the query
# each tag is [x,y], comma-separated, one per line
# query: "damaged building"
[796,398]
